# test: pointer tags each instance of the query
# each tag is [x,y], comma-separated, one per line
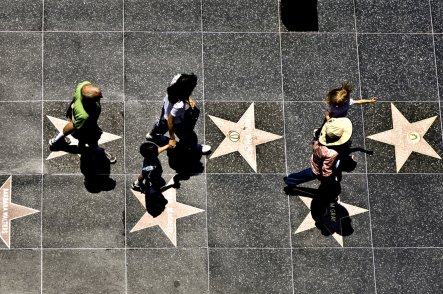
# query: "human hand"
[192,102]
[372,99]
[172,143]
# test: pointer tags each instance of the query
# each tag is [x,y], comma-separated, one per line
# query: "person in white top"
[172,118]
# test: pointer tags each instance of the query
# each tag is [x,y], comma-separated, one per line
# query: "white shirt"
[177,110]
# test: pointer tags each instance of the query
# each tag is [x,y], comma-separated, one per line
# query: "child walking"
[151,175]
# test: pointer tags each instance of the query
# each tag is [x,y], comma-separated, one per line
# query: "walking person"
[83,114]
[150,181]
[172,118]
[151,175]
[331,143]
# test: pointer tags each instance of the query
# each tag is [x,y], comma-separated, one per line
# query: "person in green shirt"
[83,115]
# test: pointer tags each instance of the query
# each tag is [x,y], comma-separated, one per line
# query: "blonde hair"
[339,96]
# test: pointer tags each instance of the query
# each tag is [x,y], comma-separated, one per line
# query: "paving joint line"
[204,141]
[285,141]
[436,72]
[364,144]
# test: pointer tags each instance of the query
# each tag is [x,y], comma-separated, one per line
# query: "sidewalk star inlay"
[309,223]
[242,136]
[167,221]
[10,211]
[406,137]
[59,124]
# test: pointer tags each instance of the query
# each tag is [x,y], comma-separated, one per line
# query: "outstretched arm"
[364,101]
[164,148]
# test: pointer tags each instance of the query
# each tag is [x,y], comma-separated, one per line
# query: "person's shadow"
[94,165]
[185,160]
[330,217]
[96,168]
[155,200]
[62,146]
[299,15]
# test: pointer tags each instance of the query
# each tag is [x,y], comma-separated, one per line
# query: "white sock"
[59,136]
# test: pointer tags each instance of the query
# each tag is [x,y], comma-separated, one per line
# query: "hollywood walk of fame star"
[59,124]
[406,137]
[167,221]
[242,136]
[309,223]
[10,211]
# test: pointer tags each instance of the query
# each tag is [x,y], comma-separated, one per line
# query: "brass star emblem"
[406,137]
[242,136]
[10,211]
[167,221]
[309,223]
[59,124]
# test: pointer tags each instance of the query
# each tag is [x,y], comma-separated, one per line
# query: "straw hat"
[336,131]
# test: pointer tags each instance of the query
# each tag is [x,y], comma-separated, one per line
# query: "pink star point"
[10,211]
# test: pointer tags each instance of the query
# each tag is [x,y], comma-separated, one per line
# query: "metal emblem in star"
[234,136]
[406,137]
[309,223]
[167,221]
[242,136]
[59,124]
[10,211]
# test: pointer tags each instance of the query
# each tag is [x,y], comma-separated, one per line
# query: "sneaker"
[112,159]
[148,136]
[52,141]
[206,149]
[136,186]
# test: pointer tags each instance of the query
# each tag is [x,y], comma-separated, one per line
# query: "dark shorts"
[88,135]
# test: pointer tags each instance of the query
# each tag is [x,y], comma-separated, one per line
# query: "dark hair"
[182,88]
[148,150]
